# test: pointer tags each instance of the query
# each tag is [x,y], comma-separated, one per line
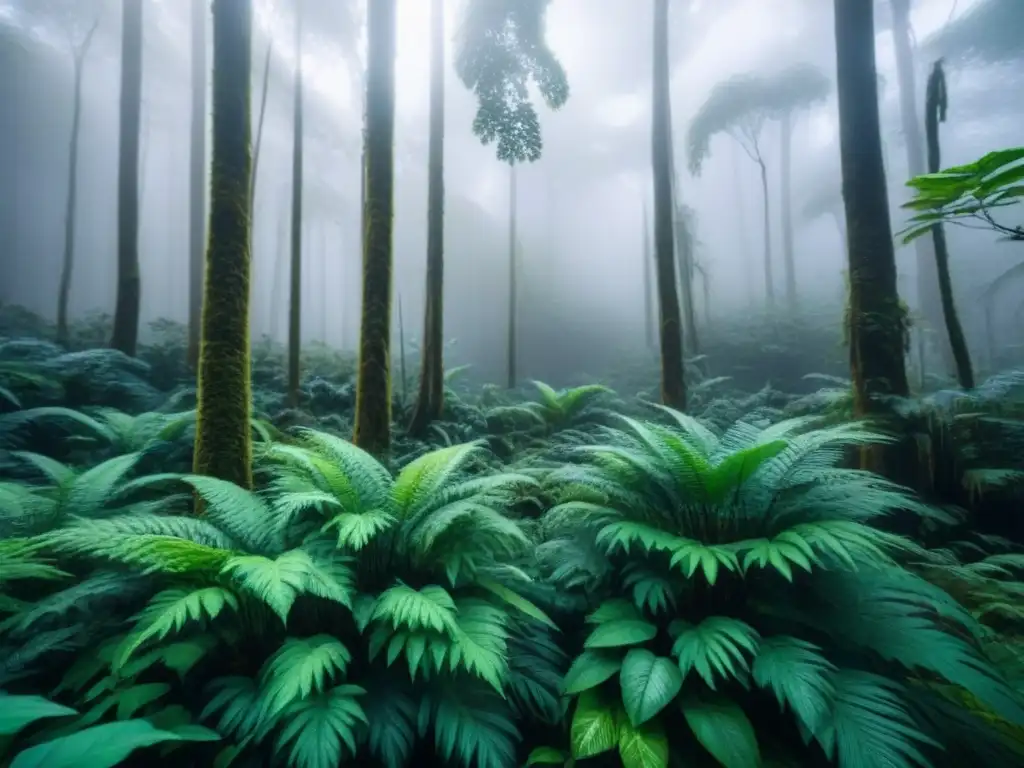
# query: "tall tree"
[648,258]
[928,299]
[295,295]
[512,342]
[430,398]
[740,107]
[673,383]
[197,180]
[373,384]
[936,104]
[79,28]
[503,47]
[876,318]
[125,335]
[223,445]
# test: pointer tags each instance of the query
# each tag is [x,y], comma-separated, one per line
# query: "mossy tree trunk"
[876,318]
[928,296]
[430,399]
[78,53]
[673,385]
[125,335]
[934,113]
[373,383]
[223,446]
[295,296]
[197,180]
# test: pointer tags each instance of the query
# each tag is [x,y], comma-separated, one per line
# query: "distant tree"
[430,397]
[501,49]
[740,107]
[125,335]
[876,319]
[373,382]
[673,382]
[197,179]
[223,446]
[295,277]
[686,261]
[988,33]
[79,20]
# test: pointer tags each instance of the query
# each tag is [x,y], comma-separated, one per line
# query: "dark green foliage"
[501,50]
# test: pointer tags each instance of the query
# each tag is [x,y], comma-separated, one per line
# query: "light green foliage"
[501,49]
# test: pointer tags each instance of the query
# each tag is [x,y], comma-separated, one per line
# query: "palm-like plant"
[737,569]
[289,596]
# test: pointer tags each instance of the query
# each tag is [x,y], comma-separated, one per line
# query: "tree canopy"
[501,49]
[740,105]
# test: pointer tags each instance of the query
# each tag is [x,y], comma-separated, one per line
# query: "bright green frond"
[300,668]
[719,648]
[321,730]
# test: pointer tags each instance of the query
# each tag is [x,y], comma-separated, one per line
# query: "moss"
[223,438]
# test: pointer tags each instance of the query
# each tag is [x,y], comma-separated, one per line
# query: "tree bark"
[373,386]
[673,384]
[223,446]
[67,268]
[786,174]
[125,335]
[295,296]
[197,181]
[934,113]
[430,398]
[876,318]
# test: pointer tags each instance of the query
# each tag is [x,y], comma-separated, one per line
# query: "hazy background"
[580,207]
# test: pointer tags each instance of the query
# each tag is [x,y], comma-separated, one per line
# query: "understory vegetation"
[553,577]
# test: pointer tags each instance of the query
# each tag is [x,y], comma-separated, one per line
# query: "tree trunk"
[876,319]
[786,173]
[684,264]
[295,297]
[223,446]
[125,335]
[197,183]
[512,226]
[769,277]
[928,297]
[264,90]
[67,268]
[935,112]
[649,318]
[373,387]
[673,384]
[430,399]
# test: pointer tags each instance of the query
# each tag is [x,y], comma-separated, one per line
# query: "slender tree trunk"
[512,227]
[278,309]
[786,172]
[325,292]
[673,384]
[67,268]
[373,387]
[430,399]
[125,335]
[934,113]
[223,447]
[295,297]
[264,90]
[876,319]
[769,278]
[648,257]
[928,296]
[197,182]
[684,264]
[741,220]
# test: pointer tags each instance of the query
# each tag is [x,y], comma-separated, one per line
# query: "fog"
[580,207]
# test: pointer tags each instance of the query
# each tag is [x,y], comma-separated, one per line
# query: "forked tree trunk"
[223,446]
[125,336]
[430,398]
[673,385]
[373,386]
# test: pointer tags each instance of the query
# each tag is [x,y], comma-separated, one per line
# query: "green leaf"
[614,634]
[649,683]
[594,727]
[723,730]
[299,668]
[643,747]
[103,746]
[18,711]
[546,756]
[589,670]
[717,647]
[516,601]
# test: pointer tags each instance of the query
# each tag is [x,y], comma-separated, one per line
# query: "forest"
[762,520]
